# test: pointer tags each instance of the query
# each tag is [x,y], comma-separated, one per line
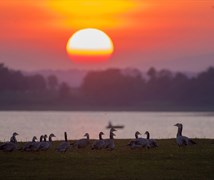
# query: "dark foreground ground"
[165,162]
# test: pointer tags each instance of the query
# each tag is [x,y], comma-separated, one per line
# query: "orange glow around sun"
[89,45]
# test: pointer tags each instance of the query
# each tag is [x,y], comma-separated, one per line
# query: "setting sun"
[89,45]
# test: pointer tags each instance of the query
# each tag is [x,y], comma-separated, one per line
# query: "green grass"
[165,162]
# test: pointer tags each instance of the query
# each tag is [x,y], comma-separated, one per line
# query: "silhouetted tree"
[64,91]
[52,82]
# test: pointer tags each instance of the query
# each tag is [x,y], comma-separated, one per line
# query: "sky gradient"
[178,34]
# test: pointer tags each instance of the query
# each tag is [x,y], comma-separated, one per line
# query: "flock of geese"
[44,144]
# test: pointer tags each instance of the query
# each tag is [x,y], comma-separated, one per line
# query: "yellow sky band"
[89,52]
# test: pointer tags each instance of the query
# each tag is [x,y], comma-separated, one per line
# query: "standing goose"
[182,140]
[99,144]
[10,146]
[111,144]
[109,141]
[63,146]
[28,146]
[151,142]
[82,143]
[45,145]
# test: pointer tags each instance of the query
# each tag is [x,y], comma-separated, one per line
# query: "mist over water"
[159,124]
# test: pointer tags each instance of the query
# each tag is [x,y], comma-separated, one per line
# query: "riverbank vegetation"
[111,89]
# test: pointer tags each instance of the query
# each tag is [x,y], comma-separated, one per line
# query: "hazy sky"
[174,34]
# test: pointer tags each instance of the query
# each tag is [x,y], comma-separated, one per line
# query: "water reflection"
[159,124]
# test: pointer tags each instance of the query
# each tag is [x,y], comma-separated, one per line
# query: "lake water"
[159,124]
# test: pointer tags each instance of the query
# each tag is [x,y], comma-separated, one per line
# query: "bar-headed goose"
[109,141]
[99,144]
[132,143]
[13,138]
[63,146]
[180,139]
[35,146]
[141,142]
[151,142]
[82,143]
[29,145]
[138,142]
[45,145]
[11,145]
[111,144]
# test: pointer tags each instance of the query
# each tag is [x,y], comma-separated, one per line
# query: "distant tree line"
[108,89]
[159,89]
[17,89]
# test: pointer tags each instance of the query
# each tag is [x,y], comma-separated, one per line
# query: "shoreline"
[110,109]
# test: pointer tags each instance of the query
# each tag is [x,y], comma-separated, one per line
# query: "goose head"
[15,134]
[34,138]
[52,135]
[179,125]
[86,135]
[112,130]
[101,133]
[137,133]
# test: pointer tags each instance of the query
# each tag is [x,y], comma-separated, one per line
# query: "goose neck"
[148,136]
[100,136]
[66,138]
[179,133]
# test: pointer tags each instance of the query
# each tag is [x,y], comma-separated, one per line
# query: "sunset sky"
[173,34]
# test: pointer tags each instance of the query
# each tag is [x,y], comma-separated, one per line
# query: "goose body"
[141,142]
[132,142]
[108,142]
[11,145]
[151,143]
[180,139]
[8,147]
[138,142]
[99,144]
[28,146]
[111,144]
[35,146]
[45,145]
[63,146]
[82,143]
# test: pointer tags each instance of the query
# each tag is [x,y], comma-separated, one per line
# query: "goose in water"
[109,141]
[182,140]
[28,146]
[99,144]
[10,146]
[133,143]
[82,143]
[151,142]
[63,146]
[111,144]
[45,145]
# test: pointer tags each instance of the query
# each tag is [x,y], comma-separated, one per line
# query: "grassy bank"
[165,162]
